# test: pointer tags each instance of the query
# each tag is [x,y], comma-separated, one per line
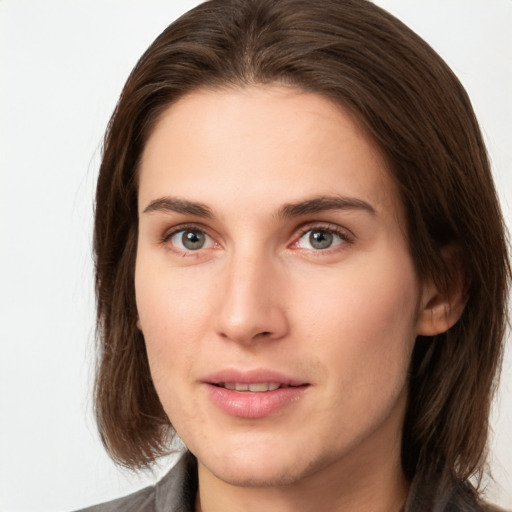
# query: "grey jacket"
[177,490]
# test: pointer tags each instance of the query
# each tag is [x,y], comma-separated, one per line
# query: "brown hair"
[415,108]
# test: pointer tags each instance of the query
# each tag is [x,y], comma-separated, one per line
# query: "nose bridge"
[250,305]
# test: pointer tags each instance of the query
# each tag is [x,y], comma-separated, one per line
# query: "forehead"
[238,147]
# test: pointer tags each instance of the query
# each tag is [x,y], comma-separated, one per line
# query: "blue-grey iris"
[193,240]
[320,239]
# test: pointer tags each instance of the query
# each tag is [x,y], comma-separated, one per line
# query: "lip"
[256,376]
[249,404]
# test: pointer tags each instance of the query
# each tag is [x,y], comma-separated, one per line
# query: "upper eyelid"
[169,232]
[325,226]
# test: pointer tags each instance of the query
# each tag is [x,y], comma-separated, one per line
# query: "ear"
[138,324]
[442,308]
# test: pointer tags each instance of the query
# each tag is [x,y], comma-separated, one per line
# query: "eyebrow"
[298,209]
[177,205]
[325,203]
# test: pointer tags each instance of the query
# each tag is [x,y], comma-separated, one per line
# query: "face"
[274,286]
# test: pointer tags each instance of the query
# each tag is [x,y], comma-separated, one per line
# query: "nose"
[250,308]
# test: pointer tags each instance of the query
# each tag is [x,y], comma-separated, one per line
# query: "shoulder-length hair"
[414,107]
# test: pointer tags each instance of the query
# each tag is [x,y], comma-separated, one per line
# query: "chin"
[265,467]
[255,475]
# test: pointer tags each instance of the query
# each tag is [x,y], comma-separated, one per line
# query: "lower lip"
[252,405]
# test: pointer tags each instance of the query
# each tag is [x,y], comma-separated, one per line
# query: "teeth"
[259,387]
[264,386]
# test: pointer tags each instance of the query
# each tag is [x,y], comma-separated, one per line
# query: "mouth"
[254,394]
[256,380]
[256,387]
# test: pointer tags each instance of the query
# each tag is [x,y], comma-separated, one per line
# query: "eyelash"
[343,234]
[167,237]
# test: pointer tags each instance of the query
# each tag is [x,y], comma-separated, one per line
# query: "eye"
[321,239]
[190,240]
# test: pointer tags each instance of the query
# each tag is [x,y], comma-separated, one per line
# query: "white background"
[62,67]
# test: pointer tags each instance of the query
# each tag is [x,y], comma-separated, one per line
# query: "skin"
[259,295]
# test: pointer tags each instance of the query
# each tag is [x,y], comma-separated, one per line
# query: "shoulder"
[442,492]
[174,493]
[494,508]
[140,501]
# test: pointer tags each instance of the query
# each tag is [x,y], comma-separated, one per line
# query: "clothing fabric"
[176,492]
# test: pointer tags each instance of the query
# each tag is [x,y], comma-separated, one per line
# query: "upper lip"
[255,376]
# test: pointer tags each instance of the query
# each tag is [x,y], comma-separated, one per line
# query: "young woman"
[301,266]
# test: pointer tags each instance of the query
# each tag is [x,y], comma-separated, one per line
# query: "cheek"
[172,320]
[170,300]
[364,318]
[169,325]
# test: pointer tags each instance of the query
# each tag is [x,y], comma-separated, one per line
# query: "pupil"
[193,239]
[320,239]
